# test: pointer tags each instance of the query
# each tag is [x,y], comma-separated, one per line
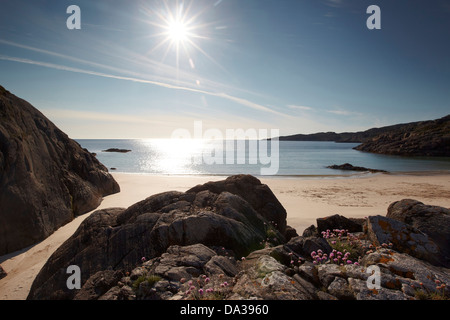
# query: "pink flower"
[200,291]
[206,280]
[349,262]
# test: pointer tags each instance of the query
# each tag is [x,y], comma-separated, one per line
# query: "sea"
[307,159]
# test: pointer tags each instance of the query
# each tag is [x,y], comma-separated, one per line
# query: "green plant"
[423,293]
[150,279]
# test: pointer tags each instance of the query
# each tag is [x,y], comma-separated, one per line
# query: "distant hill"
[422,138]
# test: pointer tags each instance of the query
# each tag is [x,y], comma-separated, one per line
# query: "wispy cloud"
[97,116]
[241,101]
[335,3]
[304,108]
[342,112]
[164,82]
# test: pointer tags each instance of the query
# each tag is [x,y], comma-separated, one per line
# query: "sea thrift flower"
[200,291]
[143,259]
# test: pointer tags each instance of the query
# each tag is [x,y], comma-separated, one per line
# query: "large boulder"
[260,197]
[46,178]
[431,220]
[118,238]
[404,238]
[338,222]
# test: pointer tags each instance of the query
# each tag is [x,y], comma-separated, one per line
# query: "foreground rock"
[404,238]
[214,214]
[46,179]
[431,220]
[210,243]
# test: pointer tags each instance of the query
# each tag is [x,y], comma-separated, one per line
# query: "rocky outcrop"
[117,150]
[339,222]
[425,138]
[349,167]
[422,138]
[431,220]
[210,243]
[238,214]
[404,238]
[46,179]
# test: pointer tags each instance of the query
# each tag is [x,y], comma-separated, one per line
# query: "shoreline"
[356,174]
[305,200]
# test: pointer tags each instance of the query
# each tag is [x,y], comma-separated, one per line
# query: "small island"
[116,150]
[348,166]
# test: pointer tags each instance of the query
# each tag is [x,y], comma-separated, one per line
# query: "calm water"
[185,157]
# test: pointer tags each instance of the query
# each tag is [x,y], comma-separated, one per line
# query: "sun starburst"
[181,31]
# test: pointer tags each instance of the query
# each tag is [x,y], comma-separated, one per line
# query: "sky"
[143,69]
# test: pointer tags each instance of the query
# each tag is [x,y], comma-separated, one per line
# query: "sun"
[177,31]
[181,31]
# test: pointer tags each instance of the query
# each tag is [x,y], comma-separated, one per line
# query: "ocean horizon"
[293,158]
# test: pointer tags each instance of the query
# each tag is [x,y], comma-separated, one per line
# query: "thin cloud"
[238,100]
[335,3]
[342,112]
[95,116]
[303,108]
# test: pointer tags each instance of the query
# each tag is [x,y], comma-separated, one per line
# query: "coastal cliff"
[423,138]
[46,178]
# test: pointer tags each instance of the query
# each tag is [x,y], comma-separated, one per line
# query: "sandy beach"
[305,200]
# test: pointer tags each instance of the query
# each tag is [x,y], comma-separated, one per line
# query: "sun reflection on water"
[172,156]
